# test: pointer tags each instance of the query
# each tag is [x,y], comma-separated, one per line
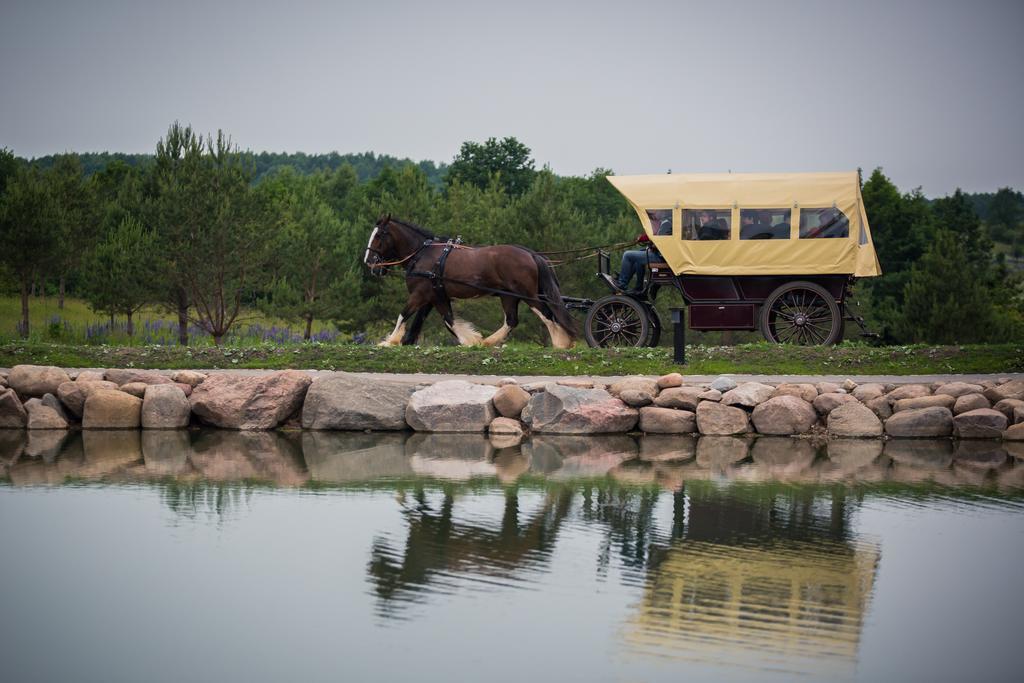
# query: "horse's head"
[380,247]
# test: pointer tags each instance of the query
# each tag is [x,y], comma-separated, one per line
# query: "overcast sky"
[930,91]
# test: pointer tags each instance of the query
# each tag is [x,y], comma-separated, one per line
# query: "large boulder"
[510,400]
[451,406]
[958,389]
[34,381]
[138,389]
[807,392]
[635,398]
[638,386]
[938,400]
[249,402]
[41,416]
[826,403]
[684,398]
[165,406]
[723,384]
[655,420]
[1011,389]
[784,415]
[91,376]
[880,406]
[1014,433]
[352,403]
[854,420]
[123,376]
[721,420]
[73,394]
[748,394]
[672,379]
[192,378]
[983,423]
[920,422]
[1007,407]
[909,391]
[111,409]
[968,402]
[12,412]
[829,388]
[867,392]
[564,410]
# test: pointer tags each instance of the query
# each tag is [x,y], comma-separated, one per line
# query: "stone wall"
[49,398]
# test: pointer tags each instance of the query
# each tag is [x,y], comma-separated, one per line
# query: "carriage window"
[660,220]
[830,222]
[764,224]
[707,224]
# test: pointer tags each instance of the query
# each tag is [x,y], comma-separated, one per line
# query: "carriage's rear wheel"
[801,313]
[617,321]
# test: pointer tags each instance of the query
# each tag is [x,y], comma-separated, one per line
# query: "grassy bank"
[530,359]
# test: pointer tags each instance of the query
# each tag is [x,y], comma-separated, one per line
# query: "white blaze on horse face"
[366,257]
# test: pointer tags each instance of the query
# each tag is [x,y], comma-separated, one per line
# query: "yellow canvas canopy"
[794,247]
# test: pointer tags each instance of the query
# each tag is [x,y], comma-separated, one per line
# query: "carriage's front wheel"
[801,313]
[617,321]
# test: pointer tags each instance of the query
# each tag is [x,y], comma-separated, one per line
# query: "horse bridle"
[380,268]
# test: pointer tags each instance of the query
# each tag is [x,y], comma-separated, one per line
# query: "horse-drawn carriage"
[772,252]
[775,252]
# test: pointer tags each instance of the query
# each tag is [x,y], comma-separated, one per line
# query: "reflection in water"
[736,550]
[751,575]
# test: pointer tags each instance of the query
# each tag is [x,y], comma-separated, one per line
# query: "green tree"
[902,227]
[173,206]
[28,233]
[1004,215]
[224,254]
[119,271]
[306,283]
[76,213]
[945,302]
[508,159]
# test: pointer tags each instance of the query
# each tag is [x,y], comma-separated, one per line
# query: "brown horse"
[437,271]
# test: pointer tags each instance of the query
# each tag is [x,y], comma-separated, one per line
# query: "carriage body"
[775,252]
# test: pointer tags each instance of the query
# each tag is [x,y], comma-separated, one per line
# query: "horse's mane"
[423,232]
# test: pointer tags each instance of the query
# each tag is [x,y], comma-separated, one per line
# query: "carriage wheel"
[801,313]
[617,321]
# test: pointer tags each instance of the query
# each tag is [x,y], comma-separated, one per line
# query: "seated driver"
[634,260]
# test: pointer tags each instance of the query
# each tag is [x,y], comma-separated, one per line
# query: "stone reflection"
[228,456]
[780,458]
[45,443]
[565,458]
[457,457]
[854,460]
[165,452]
[341,457]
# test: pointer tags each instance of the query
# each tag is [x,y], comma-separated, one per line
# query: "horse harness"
[436,275]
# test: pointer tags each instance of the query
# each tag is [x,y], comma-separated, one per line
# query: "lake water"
[212,555]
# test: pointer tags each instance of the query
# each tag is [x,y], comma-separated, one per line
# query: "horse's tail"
[547,284]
